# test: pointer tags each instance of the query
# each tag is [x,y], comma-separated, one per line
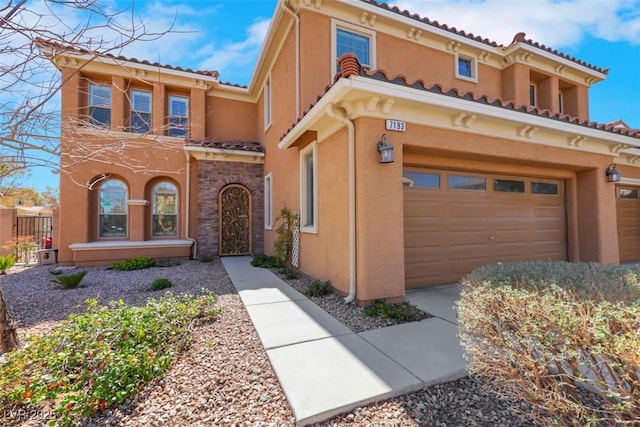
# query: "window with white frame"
[561,102]
[268,202]
[100,105]
[178,115]
[466,68]
[357,40]
[267,103]
[113,212]
[533,96]
[309,189]
[164,198]
[140,111]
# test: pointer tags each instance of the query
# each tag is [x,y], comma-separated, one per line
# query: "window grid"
[178,115]
[140,111]
[464,67]
[100,105]
[165,210]
[358,44]
[113,212]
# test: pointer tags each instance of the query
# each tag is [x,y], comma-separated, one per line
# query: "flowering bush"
[99,358]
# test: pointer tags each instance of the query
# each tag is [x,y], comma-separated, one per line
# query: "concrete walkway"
[323,367]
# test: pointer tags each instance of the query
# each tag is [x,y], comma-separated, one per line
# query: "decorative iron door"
[234,204]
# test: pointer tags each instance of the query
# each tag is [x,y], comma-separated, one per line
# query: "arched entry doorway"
[234,213]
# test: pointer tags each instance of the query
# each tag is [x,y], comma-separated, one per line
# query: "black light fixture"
[385,149]
[613,175]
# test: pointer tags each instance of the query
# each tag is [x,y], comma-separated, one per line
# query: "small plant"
[266,261]
[319,289]
[133,264]
[402,312]
[283,245]
[289,272]
[6,262]
[160,283]
[205,259]
[55,272]
[24,246]
[69,281]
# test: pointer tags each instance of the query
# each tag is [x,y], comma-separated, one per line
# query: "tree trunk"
[8,335]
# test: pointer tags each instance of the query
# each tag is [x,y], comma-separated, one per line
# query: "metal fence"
[32,233]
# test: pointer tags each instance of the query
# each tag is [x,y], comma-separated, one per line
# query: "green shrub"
[265,261]
[133,264]
[402,312]
[99,358]
[6,262]
[205,259]
[69,281]
[543,331]
[160,283]
[319,289]
[289,273]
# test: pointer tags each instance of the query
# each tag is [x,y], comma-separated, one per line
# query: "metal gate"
[32,233]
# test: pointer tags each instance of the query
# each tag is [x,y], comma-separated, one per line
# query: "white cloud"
[236,55]
[555,23]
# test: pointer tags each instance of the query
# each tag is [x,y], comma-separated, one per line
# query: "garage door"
[455,222]
[628,211]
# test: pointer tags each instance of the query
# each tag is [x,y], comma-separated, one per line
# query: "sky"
[227,35]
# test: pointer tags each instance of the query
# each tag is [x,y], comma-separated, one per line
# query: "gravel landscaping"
[225,378]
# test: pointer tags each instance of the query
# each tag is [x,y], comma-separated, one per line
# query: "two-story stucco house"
[494,156]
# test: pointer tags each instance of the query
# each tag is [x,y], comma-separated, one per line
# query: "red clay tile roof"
[59,46]
[350,66]
[471,36]
[223,144]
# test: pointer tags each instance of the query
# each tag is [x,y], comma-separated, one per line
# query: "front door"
[234,204]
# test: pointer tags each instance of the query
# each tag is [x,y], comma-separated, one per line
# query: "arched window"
[113,209]
[164,198]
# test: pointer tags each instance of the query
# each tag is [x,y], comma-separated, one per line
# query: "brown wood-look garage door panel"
[628,213]
[450,232]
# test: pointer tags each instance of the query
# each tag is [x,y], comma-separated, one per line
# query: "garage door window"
[627,193]
[469,183]
[421,180]
[508,186]
[544,188]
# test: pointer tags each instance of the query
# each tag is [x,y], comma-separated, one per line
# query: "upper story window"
[140,111]
[100,105]
[561,102]
[466,68]
[267,103]
[165,209]
[357,40]
[178,115]
[533,95]
[112,217]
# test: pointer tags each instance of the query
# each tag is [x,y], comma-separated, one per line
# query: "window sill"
[127,244]
[466,78]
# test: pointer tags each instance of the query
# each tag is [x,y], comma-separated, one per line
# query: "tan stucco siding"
[315,55]
[233,120]
[325,254]
[379,224]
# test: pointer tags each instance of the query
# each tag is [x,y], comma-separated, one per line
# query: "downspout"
[335,114]
[188,206]
[296,18]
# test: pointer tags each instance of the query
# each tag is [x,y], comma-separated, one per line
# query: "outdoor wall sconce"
[613,175]
[385,149]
